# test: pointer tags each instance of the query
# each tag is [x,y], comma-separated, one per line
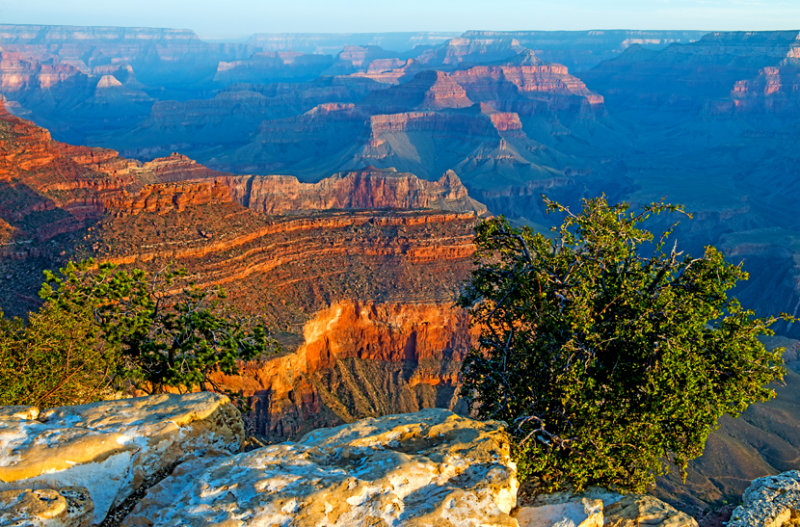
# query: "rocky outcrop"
[636,510]
[178,167]
[577,513]
[428,468]
[182,453]
[20,72]
[597,507]
[469,50]
[107,450]
[427,90]
[50,188]
[161,198]
[363,189]
[190,183]
[502,121]
[352,59]
[473,123]
[441,91]
[530,77]
[387,71]
[771,501]
[774,90]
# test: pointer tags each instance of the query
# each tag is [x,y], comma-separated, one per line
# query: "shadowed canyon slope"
[348,137]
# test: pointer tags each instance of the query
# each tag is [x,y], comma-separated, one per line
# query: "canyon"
[338,177]
[356,274]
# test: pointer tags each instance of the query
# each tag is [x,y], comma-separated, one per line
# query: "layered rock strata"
[361,301]
[20,71]
[357,359]
[370,258]
[487,82]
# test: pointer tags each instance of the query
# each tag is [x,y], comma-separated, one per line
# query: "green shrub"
[54,359]
[102,327]
[608,364]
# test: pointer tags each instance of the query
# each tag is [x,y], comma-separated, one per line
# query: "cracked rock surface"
[771,501]
[108,449]
[427,468]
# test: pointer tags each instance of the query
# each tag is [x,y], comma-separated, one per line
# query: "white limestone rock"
[581,512]
[67,507]
[427,468]
[111,447]
[771,501]
[18,412]
[598,507]
[639,510]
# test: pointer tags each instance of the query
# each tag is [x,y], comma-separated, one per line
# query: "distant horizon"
[238,19]
[407,32]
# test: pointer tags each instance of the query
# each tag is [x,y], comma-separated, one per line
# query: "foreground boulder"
[105,450]
[427,468]
[597,507]
[771,501]
[638,510]
[577,512]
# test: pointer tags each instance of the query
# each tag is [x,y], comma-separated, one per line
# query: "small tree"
[608,364]
[162,338]
[56,358]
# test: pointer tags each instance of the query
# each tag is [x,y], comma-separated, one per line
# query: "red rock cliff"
[363,189]
[484,82]
[355,347]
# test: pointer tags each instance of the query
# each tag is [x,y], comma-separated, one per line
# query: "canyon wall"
[358,359]
[582,50]
[257,107]
[356,274]
[369,188]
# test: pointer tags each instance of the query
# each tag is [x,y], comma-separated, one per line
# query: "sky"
[239,18]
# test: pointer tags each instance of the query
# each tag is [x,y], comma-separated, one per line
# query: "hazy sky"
[225,18]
